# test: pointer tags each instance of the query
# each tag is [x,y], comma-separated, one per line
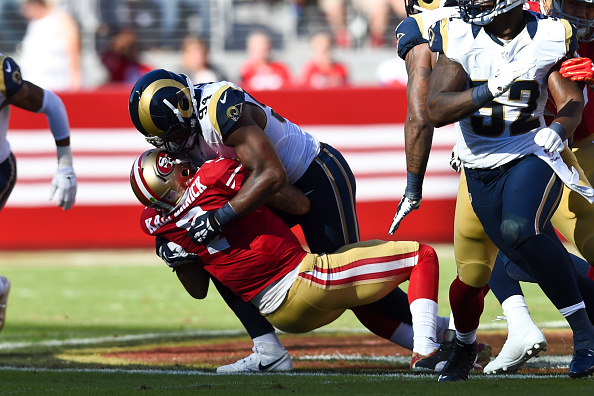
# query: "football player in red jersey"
[23,94]
[260,259]
[205,121]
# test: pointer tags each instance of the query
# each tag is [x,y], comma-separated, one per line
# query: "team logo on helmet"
[159,180]
[165,164]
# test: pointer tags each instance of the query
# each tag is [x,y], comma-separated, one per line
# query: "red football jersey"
[586,127]
[254,250]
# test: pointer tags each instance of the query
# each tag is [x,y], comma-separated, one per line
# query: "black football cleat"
[435,362]
[582,364]
[460,363]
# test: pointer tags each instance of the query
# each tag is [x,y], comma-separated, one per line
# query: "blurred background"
[327,65]
[362,32]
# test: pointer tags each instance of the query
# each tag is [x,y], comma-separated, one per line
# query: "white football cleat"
[517,350]
[4,290]
[266,357]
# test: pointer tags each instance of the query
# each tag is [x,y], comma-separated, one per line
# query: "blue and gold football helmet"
[482,12]
[164,109]
[415,6]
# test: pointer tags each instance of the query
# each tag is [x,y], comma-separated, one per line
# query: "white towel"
[571,177]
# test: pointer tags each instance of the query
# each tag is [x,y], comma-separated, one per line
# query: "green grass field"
[100,298]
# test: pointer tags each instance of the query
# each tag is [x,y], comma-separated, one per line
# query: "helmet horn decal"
[144,105]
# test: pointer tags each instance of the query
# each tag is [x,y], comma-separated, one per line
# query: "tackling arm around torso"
[257,153]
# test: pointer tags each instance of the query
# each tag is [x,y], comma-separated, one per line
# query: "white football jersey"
[414,30]
[504,128]
[220,105]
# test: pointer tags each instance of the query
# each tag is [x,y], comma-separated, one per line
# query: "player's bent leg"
[319,294]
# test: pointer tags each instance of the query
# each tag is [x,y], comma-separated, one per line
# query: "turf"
[65,301]
[116,382]
[60,295]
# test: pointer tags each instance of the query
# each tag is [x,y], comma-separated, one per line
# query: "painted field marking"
[286,374]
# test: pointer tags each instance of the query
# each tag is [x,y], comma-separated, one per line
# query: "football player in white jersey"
[413,48]
[220,119]
[575,216]
[23,94]
[492,77]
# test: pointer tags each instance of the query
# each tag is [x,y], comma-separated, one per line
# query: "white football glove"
[549,140]
[506,75]
[455,161]
[64,184]
[404,207]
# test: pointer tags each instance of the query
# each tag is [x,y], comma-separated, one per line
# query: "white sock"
[403,336]
[516,313]
[466,338]
[424,316]
[269,338]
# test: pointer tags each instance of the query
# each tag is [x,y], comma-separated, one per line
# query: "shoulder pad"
[409,35]
[11,80]
[224,172]
[226,107]
[438,36]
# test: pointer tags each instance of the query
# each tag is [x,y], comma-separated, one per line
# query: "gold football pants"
[354,275]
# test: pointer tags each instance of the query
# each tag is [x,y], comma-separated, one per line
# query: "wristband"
[225,214]
[64,156]
[555,126]
[414,186]
[481,95]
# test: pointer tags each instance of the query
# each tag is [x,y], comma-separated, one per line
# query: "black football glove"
[173,254]
[205,228]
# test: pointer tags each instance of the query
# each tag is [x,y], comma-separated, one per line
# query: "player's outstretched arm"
[39,100]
